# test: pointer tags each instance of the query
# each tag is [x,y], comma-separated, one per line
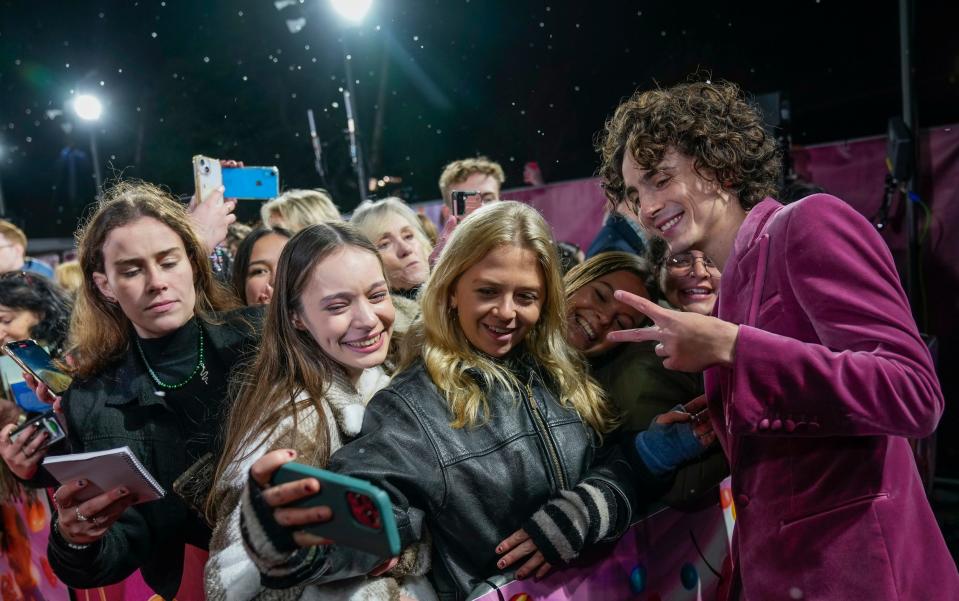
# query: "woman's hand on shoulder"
[280,496]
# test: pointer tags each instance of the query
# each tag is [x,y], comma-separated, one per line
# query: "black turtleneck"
[197,403]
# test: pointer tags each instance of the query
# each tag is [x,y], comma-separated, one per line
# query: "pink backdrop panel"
[669,556]
[574,209]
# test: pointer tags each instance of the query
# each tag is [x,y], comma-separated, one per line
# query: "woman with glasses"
[690,281]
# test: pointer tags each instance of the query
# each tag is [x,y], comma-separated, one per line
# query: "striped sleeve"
[577,517]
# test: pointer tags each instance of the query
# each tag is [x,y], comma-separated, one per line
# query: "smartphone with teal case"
[251,182]
[362,513]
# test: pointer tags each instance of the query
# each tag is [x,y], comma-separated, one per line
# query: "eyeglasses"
[687,260]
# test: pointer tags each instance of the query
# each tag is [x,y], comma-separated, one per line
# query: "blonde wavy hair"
[298,209]
[439,340]
[99,330]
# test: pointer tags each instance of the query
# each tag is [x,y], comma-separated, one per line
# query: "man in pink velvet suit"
[816,374]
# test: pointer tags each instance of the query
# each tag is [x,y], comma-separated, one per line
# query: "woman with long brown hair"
[151,353]
[326,336]
[492,418]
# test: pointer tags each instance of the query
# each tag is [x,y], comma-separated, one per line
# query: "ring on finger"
[95,520]
[26,453]
[80,516]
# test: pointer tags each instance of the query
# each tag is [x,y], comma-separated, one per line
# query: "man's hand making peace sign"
[687,341]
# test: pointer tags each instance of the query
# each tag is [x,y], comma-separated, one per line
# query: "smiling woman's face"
[499,299]
[691,282]
[592,312]
[346,308]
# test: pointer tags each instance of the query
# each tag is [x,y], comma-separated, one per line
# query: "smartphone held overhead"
[238,182]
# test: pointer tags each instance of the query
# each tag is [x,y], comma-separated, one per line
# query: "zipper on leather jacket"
[550,445]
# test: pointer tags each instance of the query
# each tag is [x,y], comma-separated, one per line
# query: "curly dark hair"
[712,123]
[32,292]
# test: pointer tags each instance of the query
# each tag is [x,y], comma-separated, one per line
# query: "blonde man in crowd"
[477,174]
[297,209]
[13,251]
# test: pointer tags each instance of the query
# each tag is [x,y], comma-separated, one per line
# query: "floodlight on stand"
[87,107]
[352,10]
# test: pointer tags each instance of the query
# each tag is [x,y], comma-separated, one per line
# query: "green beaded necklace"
[200,368]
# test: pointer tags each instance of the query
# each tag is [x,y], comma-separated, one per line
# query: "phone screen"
[38,362]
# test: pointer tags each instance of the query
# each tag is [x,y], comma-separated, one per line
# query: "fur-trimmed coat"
[232,575]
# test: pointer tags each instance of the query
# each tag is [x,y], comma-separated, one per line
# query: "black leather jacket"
[471,487]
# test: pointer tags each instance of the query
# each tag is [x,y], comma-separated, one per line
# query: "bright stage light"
[87,107]
[352,10]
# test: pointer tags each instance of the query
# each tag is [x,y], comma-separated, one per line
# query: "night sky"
[518,81]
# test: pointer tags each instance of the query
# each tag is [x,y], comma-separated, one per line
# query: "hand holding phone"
[237,181]
[328,507]
[464,202]
[23,447]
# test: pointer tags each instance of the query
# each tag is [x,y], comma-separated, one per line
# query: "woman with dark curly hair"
[815,372]
[31,306]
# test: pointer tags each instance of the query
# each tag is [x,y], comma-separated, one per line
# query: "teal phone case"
[353,524]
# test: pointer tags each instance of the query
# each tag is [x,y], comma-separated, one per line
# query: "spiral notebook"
[104,471]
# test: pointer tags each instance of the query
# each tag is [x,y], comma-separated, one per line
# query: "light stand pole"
[356,151]
[89,108]
[353,11]
[3,206]
[95,157]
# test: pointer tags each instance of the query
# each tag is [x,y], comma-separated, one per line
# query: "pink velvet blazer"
[830,378]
